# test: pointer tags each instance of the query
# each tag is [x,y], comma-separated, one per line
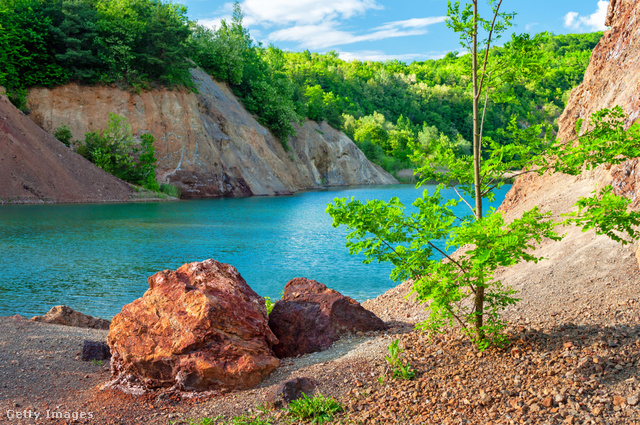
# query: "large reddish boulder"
[311,317]
[198,328]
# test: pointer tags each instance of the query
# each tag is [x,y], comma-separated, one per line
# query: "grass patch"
[238,420]
[171,190]
[317,409]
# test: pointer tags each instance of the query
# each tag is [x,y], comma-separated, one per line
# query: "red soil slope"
[35,167]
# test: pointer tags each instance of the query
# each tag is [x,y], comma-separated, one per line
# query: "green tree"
[114,150]
[461,288]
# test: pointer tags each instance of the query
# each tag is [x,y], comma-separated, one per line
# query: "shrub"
[114,150]
[171,190]
[63,133]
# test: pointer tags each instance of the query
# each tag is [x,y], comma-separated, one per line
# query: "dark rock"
[63,315]
[290,390]
[198,328]
[95,350]
[311,317]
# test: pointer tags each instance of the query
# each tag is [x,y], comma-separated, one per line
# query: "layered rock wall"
[208,144]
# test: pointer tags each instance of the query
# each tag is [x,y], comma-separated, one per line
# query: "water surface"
[96,258]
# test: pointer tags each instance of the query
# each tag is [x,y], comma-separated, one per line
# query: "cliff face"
[208,144]
[584,263]
[612,78]
[35,167]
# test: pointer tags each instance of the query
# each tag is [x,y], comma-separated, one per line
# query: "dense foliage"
[381,105]
[49,42]
[115,151]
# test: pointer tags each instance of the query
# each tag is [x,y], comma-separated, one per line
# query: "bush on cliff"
[115,151]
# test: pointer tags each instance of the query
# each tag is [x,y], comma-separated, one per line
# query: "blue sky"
[406,30]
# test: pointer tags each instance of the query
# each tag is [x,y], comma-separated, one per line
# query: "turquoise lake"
[96,258]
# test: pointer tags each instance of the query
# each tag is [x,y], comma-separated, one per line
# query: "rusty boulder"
[310,317]
[198,328]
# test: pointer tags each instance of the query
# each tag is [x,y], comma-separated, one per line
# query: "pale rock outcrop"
[207,143]
[198,328]
[63,315]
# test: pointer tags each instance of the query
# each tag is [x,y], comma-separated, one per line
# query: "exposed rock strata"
[198,328]
[310,317]
[208,144]
[35,167]
[63,315]
[612,79]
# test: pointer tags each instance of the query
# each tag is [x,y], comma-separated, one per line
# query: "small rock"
[63,315]
[534,407]
[619,401]
[485,398]
[547,402]
[596,410]
[95,350]
[559,398]
[291,390]
[633,400]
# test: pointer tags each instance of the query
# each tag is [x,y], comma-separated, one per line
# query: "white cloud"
[377,56]
[593,22]
[328,34]
[303,12]
[213,23]
[317,24]
[413,23]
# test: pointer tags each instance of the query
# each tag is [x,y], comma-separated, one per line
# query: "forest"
[384,107]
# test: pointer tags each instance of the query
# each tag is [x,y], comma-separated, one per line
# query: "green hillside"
[383,106]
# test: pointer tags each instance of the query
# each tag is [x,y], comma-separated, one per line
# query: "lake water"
[96,258]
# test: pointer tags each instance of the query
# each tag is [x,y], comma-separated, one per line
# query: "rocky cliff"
[585,262]
[208,144]
[35,167]
[612,79]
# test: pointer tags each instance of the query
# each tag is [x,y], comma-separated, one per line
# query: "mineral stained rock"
[310,317]
[198,328]
[208,144]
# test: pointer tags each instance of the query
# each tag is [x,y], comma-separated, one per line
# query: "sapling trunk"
[479,301]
